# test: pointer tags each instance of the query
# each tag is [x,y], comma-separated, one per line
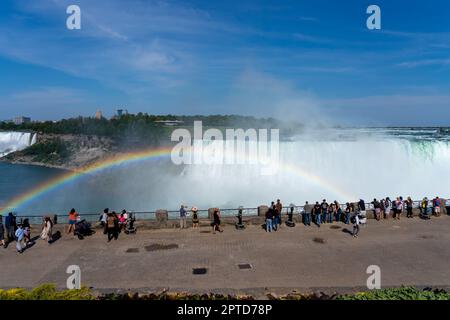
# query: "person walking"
[216,221]
[73,215]
[182,217]
[355,222]
[112,226]
[20,235]
[27,231]
[2,232]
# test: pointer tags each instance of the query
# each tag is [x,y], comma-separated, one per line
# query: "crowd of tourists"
[318,213]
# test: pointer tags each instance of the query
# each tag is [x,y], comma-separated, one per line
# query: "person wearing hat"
[20,235]
[182,217]
[195,220]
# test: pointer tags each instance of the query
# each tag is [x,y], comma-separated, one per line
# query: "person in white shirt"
[355,221]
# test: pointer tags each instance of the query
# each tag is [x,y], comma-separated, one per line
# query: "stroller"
[130,228]
[83,229]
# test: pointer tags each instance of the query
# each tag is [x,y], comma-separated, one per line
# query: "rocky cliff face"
[64,151]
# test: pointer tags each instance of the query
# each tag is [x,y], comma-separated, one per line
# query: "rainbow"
[139,156]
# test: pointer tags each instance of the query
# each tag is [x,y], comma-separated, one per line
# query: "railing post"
[262,210]
[162,216]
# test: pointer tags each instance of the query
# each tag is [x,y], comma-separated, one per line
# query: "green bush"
[46,292]
[403,293]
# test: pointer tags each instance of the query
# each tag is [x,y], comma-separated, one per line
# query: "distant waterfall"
[15,141]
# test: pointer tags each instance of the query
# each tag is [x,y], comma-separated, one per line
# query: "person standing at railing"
[10,225]
[324,207]
[307,210]
[279,209]
[182,217]
[338,211]
[398,208]
[409,208]
[348,213]
[269,219]
[318,213]
[195,219]
[274,216]
[2,232]
[437,206]
[388,207]
[47,227]
[362,207]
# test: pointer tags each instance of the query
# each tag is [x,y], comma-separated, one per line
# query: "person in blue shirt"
[182,217]
[20,235]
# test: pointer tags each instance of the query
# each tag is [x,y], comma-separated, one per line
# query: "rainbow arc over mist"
[140,156]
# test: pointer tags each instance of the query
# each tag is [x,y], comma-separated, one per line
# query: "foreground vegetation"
[49,292]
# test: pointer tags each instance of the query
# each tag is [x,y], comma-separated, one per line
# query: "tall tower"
[98,115]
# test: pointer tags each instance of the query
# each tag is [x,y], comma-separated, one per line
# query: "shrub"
[46,292]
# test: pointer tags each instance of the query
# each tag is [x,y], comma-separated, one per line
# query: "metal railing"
[174,214]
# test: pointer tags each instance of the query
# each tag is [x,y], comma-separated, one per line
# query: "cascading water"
[338,166]
[15,141]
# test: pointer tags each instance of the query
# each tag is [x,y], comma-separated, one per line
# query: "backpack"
[111,222]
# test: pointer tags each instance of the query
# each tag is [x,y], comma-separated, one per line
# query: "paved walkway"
[409,252]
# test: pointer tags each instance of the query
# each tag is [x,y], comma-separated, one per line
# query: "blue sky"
[309,60]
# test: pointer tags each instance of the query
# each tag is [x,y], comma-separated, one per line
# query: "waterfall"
[15,141]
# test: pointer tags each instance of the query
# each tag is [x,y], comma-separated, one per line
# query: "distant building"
[121,112]
[21,120]
[98,115]
[170,123]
